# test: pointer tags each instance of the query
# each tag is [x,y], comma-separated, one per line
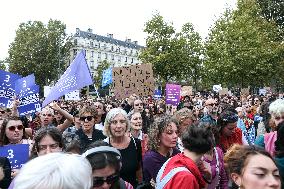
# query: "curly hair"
[157,128]
[53,132]
[276,108]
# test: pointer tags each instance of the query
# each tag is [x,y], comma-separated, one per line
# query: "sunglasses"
[2,112]
[89,118]
[99,181]
[13,128]
[140,104]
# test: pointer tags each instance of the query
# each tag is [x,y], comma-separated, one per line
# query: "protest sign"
[223,91]
[157,94]
[245,91]
[18,154]
[46,90]
[7,88]
[262,91]
[107,77]
[74,95]
[29,101]
[75,77]
[136,79]
[217,88]
[186,91]
[24,83]
[172,94]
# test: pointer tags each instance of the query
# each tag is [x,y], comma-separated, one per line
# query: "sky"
[122,18]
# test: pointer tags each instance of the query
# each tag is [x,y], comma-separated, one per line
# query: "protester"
[56,170]
[279,151]
[5,173]
[181,171]
[185,119]
[162,144]
[88,133]
[47,140]
[106,165]
[228,132]
[251,168]
[267,141]
[116,128]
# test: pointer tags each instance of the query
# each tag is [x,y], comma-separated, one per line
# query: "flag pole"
[96,91]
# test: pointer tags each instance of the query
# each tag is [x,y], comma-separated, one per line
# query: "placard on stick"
[223,91]
[136,79]
[186,91]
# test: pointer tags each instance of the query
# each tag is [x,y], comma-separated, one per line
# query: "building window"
[118,49]
[119,58]
[112,57]
[131,60]
[75,42]
[92,64]
[99,45]
[126,59]
[105,46]
[111,48]
[131,52]
[75,52]
[92,54]
[105,56]
[92,44]
[99,55]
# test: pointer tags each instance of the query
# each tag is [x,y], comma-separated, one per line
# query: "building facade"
[99,48]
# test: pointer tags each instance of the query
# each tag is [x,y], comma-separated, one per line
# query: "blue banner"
[75,77]
[7,88]
[158,94]
[29,101]
[18,154]
[24,83]
[107,77]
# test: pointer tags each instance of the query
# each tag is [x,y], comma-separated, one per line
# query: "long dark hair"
[279,147]
[3,138]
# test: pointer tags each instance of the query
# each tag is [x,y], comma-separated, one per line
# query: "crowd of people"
[207,141]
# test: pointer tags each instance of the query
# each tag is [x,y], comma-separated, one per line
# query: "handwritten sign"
[17,154]
[136,79]
[186,91]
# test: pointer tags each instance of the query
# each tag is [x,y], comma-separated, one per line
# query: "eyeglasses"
[99,181]
[48,115]
[51,146]
[13,128]
[278,118]
[2,112]
[89,118]
[114,122]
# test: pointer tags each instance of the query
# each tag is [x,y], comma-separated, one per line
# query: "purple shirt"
[152,163]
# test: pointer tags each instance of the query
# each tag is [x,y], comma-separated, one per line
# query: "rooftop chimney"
[90,30]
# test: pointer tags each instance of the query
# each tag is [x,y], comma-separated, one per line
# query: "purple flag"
[172,94]
[75,77]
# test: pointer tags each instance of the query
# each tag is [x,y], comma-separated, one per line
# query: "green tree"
[243,48]
[103,65]
[175,56]
[2,65]
[39,49]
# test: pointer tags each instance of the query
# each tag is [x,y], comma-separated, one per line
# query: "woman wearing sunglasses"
[106,165]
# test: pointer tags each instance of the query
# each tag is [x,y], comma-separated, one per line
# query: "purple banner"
[173,94]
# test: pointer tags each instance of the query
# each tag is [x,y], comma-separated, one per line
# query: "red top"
[184,179]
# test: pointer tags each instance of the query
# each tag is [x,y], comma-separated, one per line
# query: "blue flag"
[29,101]
[75,77]
[24,83]
[7,88]
[107,77]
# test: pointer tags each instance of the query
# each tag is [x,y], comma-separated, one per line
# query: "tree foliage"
[243,48]
[2,65]
[39,49]
[98,76]
[175,56]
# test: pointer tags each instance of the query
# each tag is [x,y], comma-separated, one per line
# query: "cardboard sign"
[17,154]
[74,95]
[262,92]
[172,94]
[217,88]
[223,91]
[136,79]
[186,91]
[245,91]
